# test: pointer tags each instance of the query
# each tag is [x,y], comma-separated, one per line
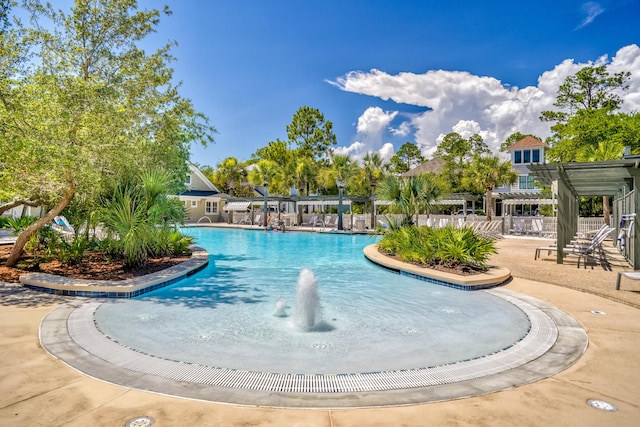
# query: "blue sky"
[388,72]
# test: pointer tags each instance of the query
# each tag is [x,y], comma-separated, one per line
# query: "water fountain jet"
[308,313]
[281,306]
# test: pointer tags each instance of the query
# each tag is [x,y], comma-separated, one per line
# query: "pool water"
[371,319]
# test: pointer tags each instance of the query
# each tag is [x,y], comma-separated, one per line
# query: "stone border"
[128,288]
[495,276]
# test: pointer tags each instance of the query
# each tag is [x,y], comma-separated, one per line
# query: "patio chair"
[633,275]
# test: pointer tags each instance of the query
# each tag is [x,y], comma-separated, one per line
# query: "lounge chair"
[633,275]
[313,222]
[591,249]
[518,226]
[330,221]
[245,220]
[536,226]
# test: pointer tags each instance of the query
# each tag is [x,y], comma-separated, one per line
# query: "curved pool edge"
[569,345]
[494,276]
[129,288]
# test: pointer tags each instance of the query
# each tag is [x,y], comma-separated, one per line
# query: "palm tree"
[264,173]
[373,170]
[306,174]
[229,176]
[485,173]
[409,195]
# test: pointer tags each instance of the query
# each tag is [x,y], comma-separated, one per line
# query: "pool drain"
[602,405]
[597,312]
[139,422]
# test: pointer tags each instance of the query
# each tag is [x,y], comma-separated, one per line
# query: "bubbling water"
[281,306]
[308,313]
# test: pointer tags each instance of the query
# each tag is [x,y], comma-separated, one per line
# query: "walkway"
[38,390]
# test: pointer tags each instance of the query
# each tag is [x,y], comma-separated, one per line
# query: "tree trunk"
[10,205]
[606,212]
[21,241]
[489,204]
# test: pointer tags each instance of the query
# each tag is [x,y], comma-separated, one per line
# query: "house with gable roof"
[202,200]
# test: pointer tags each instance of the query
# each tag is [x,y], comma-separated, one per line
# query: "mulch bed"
[93,266]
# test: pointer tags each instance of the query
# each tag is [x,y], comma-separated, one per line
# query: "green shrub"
[17,225]
[448,246]
[170,242]
[4,221]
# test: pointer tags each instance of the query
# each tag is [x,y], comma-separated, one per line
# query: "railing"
[624,207]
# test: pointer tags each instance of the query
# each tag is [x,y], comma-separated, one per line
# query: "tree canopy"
[406,158]
[311,133]
[81,105]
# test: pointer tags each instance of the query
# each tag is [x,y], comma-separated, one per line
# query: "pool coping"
[62,335]
[494,276]
[129,288]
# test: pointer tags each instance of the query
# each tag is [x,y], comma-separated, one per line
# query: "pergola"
[614,178]
[512,199]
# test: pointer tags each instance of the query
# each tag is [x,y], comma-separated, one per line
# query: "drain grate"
[140,422]
[602,405]
[541,337]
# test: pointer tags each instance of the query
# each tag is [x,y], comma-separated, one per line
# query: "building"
[524,197]
[202,200]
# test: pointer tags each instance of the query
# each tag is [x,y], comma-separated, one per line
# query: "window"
[194,203]
[184,203]
[535,156]
[211,208]
[517,156]
[526,182]
[527,156]
[188,181]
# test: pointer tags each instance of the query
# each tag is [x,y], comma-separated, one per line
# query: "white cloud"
[374,120]
[403,130]
[358,150]
[352,150]
[386,152]
[592,10]
[470,103]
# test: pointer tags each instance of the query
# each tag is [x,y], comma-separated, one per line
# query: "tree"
[373,172]
[89,107]
[311,133]
[591,88]
[588,101]
[407,158]
[409,195]
[229,176]
[306,174]
[457,152]
[485,173]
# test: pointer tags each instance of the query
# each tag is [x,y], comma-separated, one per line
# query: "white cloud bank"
[465,103]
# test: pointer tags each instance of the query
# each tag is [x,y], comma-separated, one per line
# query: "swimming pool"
[372,319]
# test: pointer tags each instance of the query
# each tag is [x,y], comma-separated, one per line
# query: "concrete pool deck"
[37,389]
